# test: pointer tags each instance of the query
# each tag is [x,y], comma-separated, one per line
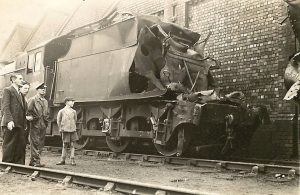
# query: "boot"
[39,165]
[62,162]
[63,156]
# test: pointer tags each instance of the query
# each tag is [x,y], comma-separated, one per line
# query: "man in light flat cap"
[38,109]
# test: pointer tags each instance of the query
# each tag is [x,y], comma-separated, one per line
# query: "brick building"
[253,48]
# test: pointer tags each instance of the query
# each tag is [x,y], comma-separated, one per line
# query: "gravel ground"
[202,179]
[12,184]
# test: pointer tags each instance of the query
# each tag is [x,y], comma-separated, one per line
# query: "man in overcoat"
[13,122]
[38,109]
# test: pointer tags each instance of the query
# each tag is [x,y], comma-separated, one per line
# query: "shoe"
[61,163]
[39,165]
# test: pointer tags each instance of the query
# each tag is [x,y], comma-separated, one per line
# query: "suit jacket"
[14,108]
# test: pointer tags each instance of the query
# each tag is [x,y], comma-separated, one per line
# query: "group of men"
[21,117]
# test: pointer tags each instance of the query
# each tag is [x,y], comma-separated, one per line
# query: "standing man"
[24,91]
[38,109]
[13,122]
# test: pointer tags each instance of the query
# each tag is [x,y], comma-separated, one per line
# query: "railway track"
[290,168]
[103,183]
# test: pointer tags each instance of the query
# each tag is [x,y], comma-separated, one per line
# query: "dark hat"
[41,86]
[68,99]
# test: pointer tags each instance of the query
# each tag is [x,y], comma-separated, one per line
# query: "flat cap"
[68,99]
[41,86]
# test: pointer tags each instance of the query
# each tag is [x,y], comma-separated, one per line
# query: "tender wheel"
[85,142]
[82,143]
[176,145]
[117,145]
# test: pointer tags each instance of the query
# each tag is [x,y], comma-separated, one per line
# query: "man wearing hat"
[66,121]
[38,109]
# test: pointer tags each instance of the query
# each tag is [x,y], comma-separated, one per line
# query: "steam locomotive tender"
[138,79]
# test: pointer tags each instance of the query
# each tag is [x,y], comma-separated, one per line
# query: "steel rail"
[106,183]
[219,164]
[267,161]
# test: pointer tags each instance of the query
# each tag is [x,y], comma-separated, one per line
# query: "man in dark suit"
[13,122]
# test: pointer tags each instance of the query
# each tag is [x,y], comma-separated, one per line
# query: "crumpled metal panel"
[95,77]
[178,32]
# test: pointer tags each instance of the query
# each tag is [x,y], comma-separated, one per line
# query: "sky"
[28,12]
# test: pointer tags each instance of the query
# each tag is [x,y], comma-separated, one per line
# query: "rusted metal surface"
[123,186]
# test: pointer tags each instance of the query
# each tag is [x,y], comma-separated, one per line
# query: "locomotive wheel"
[85,142]
[117,145]
[81,143]
[173,146]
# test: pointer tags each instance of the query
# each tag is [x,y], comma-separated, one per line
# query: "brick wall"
[251,44]
[252,47]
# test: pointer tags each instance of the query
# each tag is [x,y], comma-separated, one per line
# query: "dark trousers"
[14,145]
[37,141]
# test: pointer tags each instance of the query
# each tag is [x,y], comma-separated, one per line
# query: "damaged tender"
[139,80]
